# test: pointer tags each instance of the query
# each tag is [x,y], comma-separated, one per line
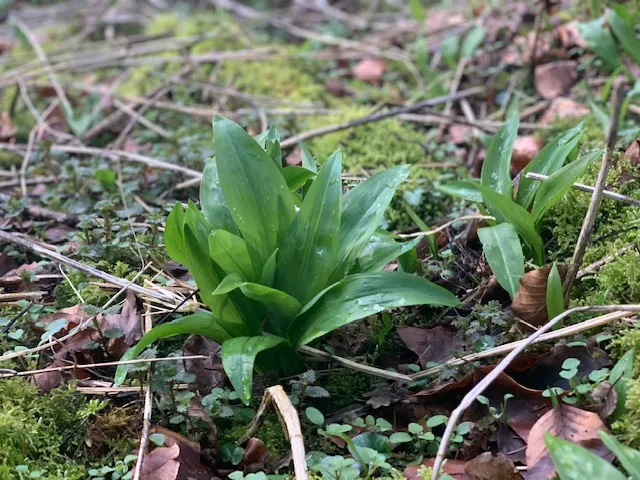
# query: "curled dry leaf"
[435,344]
[556,78]
[209,373]
[605,398]
[568,35]
[255,455]
[369,70]
[161,464]
[530,303]
[569,423]
[524,149]
[47,381]
[487,466]
[452,467]
[128,320]
[632,153]
[563,108]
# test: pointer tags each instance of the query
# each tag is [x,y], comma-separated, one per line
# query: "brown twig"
[596,197]
[148,405]
[14,297]
[471,396]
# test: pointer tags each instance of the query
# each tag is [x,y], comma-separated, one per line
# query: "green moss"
[270,432]
[39,431]
[345,388]
[92,294]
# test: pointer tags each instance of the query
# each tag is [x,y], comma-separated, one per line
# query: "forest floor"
[105,123]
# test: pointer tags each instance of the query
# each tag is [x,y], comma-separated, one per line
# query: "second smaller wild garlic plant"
[281,256]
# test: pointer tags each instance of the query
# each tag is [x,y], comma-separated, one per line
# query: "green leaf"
[269,269]
[555,298]
[314,415]
[296,176]
[553,189]
[496,169]
[625,34]
[107,179]
[502,249]
[620,375]
[573,461]
[239,355]
[601,42]
[230,252]
[437,420]
[548,160]
[506,210]
[174,236]
[255,191]
[417,10]
[200,323]
[269,140]
[157,439]
[214,207]
[380,250]
[423,227]
[362,211]
[309,249]
[628,457]
[471,42]
[308,161]
[361,295]
[461,189]
[400,437]
[450,49]
[279,302]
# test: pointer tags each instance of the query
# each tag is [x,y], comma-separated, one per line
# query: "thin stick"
[446,225]
[587,188]
[13,297]
[148,404]
[112,155]
[507,347]
[289,416]
[471,396]
[376,117]
[378,372]
[596,197]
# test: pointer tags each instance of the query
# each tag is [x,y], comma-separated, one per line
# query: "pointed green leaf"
[238,357]
[418,11]
[496,169]
[625,34]
[362,211]
[506,210]
[296,176]
[380,250]
[555,298]
[269,270]
[308,251]
[256,192]
[231,254]
[553,189]
[628,457]
[200,323]
[574,461]
[214,207]
[173,235]
[308,161]
[601,42]
[269,140]
[502,249]
[471,42]
[423,227]
[277,301]
[361,295]
[620,375]
[461,189]
[548,160]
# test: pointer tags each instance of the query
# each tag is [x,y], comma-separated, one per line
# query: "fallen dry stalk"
[288,416]
[471,396]
[446,225]
[148,404]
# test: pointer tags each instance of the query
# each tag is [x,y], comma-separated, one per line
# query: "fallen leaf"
[530,303]
[7,128]
[556,78]
[606,399]
[161,464]
[458,133]
[452,467]
[510,444]
[57,233]
[255,455]
[568,423]
[209,373]
[435,344]
[128,320]
[47,381]
[569,36]
[369,70]
[524,149]
[632,153]
[487,466]
[563,108]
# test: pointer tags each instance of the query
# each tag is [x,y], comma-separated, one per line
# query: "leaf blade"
[495,173]
[230,252]
[502,249]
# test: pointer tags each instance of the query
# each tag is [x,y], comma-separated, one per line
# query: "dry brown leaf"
[7,128]
[187,458]
[369,70]
[569,35]
[458,133]
[556,78]
[606,399]
[530,303]
[128,320]
[510,443]
[632,153]
[524,149]
[452,467]
[487,466]
[209,373]
[435,344]
[255,455]
[569,423]
[563,108]
[47,381]
[161,464]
